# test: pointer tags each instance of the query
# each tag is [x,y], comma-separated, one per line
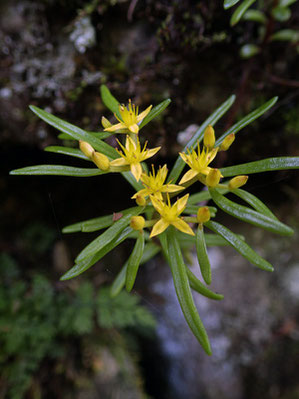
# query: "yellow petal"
[136,170]
[143,193]
[183,226]
[113,128]
[159,227]
[119,162]
[157,204]
[134,128]
[143,114]
[181,203]
[188,176]
[152,152]
[183,156]
[171,188]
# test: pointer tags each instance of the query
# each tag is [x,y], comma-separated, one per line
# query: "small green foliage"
[169,231]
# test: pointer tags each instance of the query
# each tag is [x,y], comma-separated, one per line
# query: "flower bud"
[137,222]
[203,214]
[213,178]
[86,148]
[237,182]
[101,160]
[140,200]
[209,137]
[105,122]
[227,142]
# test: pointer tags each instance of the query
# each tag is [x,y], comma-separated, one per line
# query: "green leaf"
[203,196]
[73,152]
[198,136]
[75,132]
[287,35]
[150,250]
[255,16]
[240,246]
[134,261]
[109,100]
[211,240]
[98,135]
[137,185]
[249,50]
[265,165]
[248,215]
[111,233]
[239,12]
[57,170]
[281,14]
[84,265]
[202,256]
[247,120]
[256,203]
[286,3]
[229,3]
[154,112]
[183,291]
[192,209]
[199,287]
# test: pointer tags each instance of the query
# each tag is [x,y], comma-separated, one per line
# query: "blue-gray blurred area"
[67,339]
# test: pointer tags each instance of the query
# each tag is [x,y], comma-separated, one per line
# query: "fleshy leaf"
[250,216]
[239,12]
[98,135]
[247,119]
[249,50]
[202,289]
[59,170]
[109,100]
[229,3]
[134,261]
[244,249]
[154,112]
[198,136]
[255,16]
[73,152]
[202,255]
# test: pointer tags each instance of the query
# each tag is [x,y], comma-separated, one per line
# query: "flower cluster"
[156,191]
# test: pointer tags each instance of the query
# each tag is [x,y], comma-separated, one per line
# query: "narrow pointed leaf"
[247,120]
[98,135]
[150,250]
[109,100]
[250,216]
[59,170]
[134,262]
[154,112]
[265,165]
[202,256]
[104,239]
[252,200]
[183,291]
[212,240]
[203,196]
[73,152]
[244,249]
[198,136]
[229,3]
[255,15]
[202,289]
[238,13]
[85,264]
[75,132]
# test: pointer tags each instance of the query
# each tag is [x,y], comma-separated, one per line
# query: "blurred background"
[70,339]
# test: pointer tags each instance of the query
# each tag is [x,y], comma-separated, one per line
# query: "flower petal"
[118,162]
[181,203]
[183,226]
[159,227]
[171,188]
[188,176]
[143,193]
[152,152]
[134,128]
[136,170]
[144,113]
[157,204]
[113,128]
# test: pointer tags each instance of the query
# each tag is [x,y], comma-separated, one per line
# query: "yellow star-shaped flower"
[198,162]
[133,155]
[170,215]
[129,119]
[154,184]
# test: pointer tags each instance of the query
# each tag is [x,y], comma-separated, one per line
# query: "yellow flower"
[129,119]
[133,155]
[154,184]
[170,215]
[198,162]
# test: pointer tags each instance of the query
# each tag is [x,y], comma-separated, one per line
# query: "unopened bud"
[203,214]
[140,200]
[209,137]
[105,122]
[213,178]
[237,182]
[137,222]
[86,148]
[101,160]
[227,142]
